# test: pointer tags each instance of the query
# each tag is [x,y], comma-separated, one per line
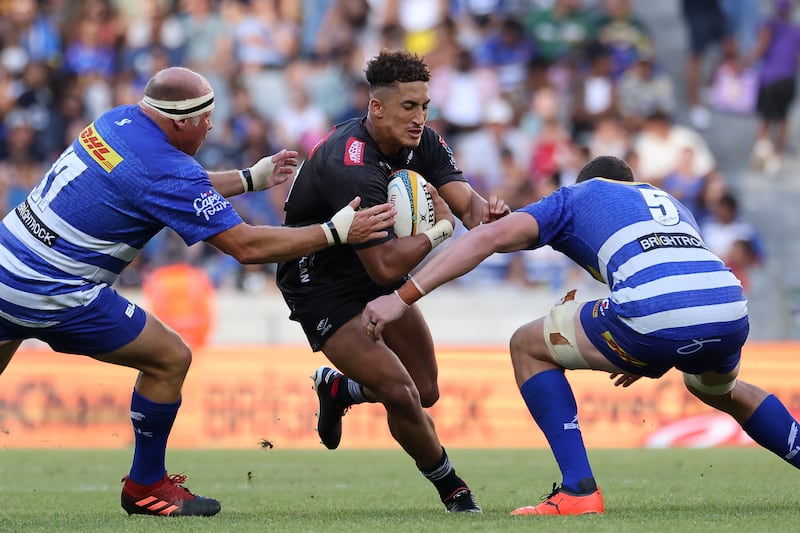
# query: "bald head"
[176,83]
[178,93]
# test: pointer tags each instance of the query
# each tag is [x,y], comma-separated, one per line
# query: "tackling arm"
[511,233]
[267,172]
[270,244]
[516,231]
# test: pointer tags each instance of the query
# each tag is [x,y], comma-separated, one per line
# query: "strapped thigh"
[559,335]
[693,382]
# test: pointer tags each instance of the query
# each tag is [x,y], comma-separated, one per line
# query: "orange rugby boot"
[561,502]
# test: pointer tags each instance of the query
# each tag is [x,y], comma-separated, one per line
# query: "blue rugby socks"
[775,429]
[552,404]
[152,423]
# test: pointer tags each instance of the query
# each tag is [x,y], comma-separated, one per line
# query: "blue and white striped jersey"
[663,279]
[115,187]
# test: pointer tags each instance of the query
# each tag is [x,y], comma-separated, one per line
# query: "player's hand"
[274,169]
[380,312]
[366,224]
[441,211]
[494,209]
[624,380]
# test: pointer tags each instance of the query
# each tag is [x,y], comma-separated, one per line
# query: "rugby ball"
[413,203]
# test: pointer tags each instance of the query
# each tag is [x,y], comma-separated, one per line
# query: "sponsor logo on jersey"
[599,308]
[669,240]
[209,203]
[97,147]
[36,227]
[122,122]
[617,349]
[354,152]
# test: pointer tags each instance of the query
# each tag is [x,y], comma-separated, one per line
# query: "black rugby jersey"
[347,163]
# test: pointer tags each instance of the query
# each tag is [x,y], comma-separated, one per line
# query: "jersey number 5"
[662,209]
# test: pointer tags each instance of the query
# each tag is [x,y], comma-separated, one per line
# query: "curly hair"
[397,66]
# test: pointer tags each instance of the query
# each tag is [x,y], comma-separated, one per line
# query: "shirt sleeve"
[190,206]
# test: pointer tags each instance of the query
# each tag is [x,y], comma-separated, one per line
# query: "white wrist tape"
[255,178]
[337,228]
[440,232]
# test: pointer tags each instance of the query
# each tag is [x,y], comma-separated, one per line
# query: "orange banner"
[237,397]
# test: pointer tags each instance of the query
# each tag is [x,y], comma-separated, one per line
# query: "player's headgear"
[181,109]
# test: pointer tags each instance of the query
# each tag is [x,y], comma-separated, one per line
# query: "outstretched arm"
[266,173]
[516,231]
[270,244]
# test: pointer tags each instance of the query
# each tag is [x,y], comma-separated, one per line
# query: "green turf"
[369,491]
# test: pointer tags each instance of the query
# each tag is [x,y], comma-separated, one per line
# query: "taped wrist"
[409,292]
[247,179]
[255,178]
[440,232]
[337,228]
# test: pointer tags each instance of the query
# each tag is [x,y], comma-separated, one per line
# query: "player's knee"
[519,345]
[178,359]
[428,394]
[400,396]
[525,348]
[697,386]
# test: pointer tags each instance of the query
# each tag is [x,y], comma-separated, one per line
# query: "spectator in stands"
[460,89]
[644,89]
[265,41]
[22,167]
[659,146]
[732,238]
[778,53]
[346,27]
[418,20]
[31,33]
[550,150]
[743,17]
[687,186]
[560,31]
[707,26]
[508,49]
[447,44]
[609,137]
[481,151]
[300,123]
[624,33]
[595,93]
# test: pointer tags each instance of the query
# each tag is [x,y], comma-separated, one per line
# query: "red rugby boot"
[167,497]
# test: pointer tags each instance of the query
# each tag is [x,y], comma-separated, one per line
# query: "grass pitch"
[680,490]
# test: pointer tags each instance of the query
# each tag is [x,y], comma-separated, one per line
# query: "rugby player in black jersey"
[327,291]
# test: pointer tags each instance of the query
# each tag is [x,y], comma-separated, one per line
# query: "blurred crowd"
[524,91]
